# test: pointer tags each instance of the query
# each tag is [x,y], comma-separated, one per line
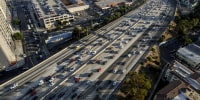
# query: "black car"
[73,96]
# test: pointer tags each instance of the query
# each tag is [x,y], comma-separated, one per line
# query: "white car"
[41,82]
[129,55]
[92,52]
[51,80]
[14,86]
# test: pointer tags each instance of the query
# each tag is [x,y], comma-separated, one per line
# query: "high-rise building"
[7,55]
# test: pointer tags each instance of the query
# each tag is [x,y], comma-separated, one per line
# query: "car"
[115,83]
[88,82]
[121,63]
[121,71]
[99,69]
[41,82]
[51,84]
[138,52]
[61,76]
[129,55]
[71,69]
[73,96]
[90,74]
[61,94]
[114,71]
[102,62]
[79,58]
[111,57]
[77,79]
[134,52]
[14,86]
[51,79]
[93,52]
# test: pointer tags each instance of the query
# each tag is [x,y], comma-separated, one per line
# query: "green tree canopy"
[18,36]
[16,22]
[136,86]
[79,32]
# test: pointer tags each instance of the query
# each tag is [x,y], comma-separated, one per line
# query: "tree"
[149,58]
[161,39]
[16,22]
[153,49]
[136,86]
[76,34]
[18,36]
[117,14]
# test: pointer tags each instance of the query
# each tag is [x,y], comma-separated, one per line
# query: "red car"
[99,69]
[77,79]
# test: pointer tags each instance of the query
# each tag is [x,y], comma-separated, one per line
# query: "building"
[190,55]
[74,6]
[6,42]
[183,73]
[176,71]
[51,12]
[105,4]
[177,90]
[77,7]
[184,84]
[189,3]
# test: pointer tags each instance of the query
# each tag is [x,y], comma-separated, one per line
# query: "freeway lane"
[111,78]
[16,79]
[59,57]
[106,46]
[125,47]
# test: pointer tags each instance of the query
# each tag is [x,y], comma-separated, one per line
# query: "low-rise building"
[176,71]
[183,73]
[51,12]
[105,4]
[184,84]
[177,90]
[190,55]
[189,3]
[77,7]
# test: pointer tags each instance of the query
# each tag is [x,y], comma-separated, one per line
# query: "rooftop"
[182,70]
[171,90]
[177,90]
[192,51]
[187,75]
[106,3]
[47,8]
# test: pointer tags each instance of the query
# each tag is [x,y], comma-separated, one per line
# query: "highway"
[106,81]
[110,36]
[40,68]
[73,85]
